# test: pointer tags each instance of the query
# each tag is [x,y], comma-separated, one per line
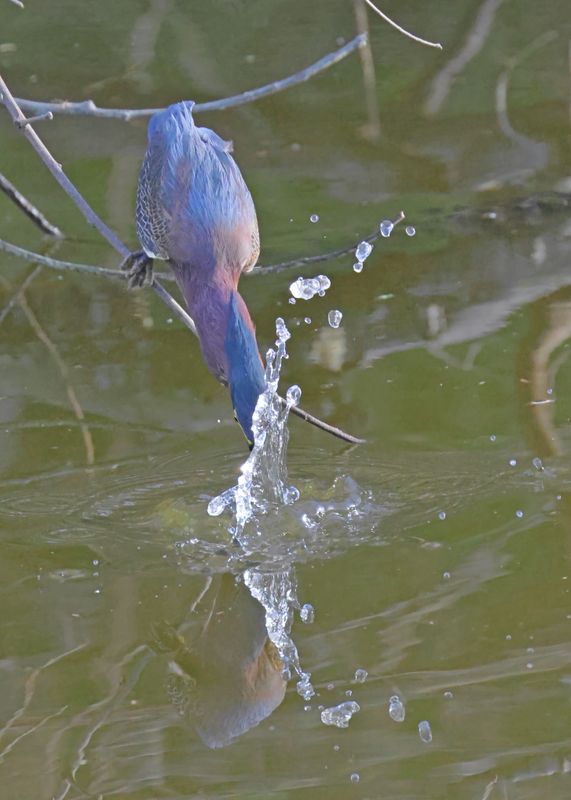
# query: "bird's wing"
[153,219]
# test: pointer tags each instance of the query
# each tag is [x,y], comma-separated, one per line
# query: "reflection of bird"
[228,677]
[194,210]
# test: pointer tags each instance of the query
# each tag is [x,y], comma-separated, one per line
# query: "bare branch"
[117,274]
[304,260]
[29,210]
[88,107]
[17,116]
[325,426]
[402,30]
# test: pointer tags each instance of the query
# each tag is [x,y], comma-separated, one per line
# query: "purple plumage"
[195,210]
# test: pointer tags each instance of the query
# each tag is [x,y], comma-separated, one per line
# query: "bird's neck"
[209,302]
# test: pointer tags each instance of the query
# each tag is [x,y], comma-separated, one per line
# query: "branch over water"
[93,219]
[88,107]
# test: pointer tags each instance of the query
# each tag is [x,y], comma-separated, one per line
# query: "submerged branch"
[29,210]
[88,107]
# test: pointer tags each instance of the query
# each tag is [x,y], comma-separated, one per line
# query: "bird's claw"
[139,269]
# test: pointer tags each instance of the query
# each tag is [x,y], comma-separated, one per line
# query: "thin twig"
[105,272]
[90,215]
[64,372]
[305,415]
[88,107]
[304,260]
[402,30]
[29,210]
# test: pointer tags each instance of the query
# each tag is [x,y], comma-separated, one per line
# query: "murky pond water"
[142,651]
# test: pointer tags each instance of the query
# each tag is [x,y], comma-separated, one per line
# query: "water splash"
[262,484]
[263,489]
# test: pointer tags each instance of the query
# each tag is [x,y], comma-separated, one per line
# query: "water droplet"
[306,288]
[446,576]
[513,462]
[493,437]
[529,665]
[281,330]
[307,613]
[349,693]
[307,320]
[397,711]
[425,731]
[363,251]
[334,318]
[360,675]
[355,777]
[340,715]
[538,464]
[519,513]
[508,637]
[442,515]
[293,395]
[304,687]
[291,495]
[386,228]
[292,301]
[448,695]
[314,218]
[358,266]
[410,230]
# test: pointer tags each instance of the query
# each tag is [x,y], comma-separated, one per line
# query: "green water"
[454,575]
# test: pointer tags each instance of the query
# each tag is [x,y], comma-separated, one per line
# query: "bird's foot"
[139,269]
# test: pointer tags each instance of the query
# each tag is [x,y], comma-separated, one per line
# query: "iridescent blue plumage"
[195,210]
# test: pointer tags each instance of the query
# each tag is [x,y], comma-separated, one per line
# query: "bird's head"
[245,371]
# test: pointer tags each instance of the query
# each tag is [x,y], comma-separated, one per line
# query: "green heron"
[195,211]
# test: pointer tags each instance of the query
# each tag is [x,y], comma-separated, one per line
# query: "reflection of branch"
[29,210]
[88,107]
[19,291]
[62,367]
[31,730]
[30,686]
[475,41]
[373,130]
[402,30]
[17,116]
[502,87]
